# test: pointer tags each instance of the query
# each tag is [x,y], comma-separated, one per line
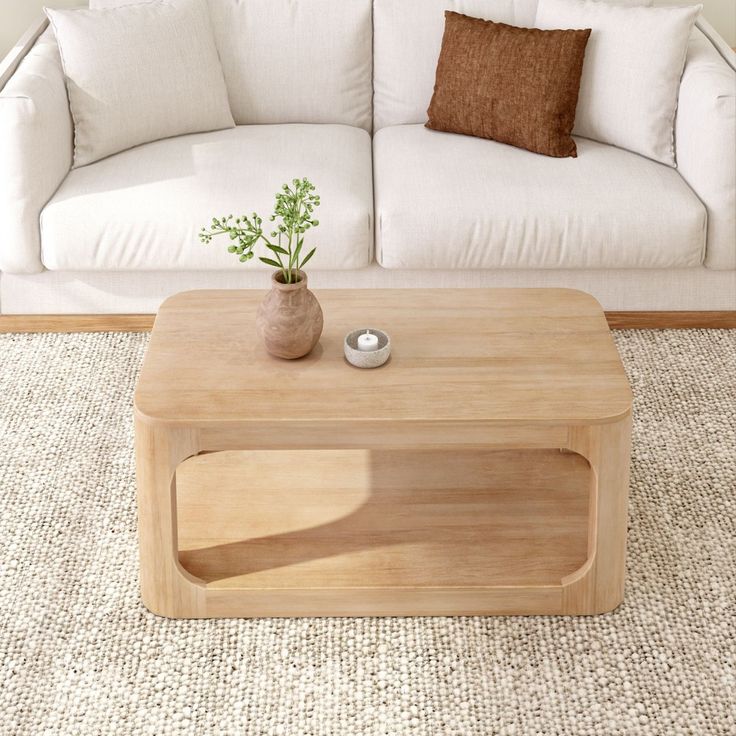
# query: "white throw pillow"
[631,75]
[139,73]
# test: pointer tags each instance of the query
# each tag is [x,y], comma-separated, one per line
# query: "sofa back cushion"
[407,40]
[293,61]
[115,100]
[631,76]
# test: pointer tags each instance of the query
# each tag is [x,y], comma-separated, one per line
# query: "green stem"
[297,212]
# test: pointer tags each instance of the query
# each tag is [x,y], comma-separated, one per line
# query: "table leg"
[598,586]
[166,588]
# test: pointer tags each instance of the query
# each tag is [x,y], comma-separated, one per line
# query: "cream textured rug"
[79,655]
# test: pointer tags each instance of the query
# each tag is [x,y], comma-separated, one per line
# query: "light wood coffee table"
[482,470]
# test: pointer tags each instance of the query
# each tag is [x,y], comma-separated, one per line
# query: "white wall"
[721,14]
[16,15]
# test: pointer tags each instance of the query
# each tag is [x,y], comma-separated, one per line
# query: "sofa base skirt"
[125,292]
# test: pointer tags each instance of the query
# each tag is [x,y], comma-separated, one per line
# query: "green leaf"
[278,249]
[309,255]
[270,262]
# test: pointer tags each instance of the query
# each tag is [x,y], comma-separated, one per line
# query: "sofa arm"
[705,132]
[36,147]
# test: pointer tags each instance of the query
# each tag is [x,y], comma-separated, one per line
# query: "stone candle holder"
[367,358]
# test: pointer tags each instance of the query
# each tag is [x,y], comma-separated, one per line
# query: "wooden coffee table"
[482,470]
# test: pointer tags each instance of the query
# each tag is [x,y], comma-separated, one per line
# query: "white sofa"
[337,90]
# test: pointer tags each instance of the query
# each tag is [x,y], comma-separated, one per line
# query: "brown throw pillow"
[514,85]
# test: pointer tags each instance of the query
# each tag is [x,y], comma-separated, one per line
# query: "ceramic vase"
[289,319]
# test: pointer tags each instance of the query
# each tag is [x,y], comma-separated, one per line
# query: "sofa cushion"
[142,209]
[293,61]
[407,40]
[632,70]
[446,201]
[138,74]
[514,85]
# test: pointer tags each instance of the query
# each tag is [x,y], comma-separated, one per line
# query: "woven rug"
[80,655]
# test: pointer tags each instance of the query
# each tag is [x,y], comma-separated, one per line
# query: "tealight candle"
[367,341]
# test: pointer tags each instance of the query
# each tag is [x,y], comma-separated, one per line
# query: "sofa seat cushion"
[142,209]
[446,201]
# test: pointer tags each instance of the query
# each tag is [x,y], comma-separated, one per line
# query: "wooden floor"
[333,519]
[671,320]
[144,322]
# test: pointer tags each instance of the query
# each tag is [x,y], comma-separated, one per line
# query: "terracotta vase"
[289,319]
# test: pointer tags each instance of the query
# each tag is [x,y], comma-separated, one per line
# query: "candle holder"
[367,358]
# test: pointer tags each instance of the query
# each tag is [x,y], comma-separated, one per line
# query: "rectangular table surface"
[479,356]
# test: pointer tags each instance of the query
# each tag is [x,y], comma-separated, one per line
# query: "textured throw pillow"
[631,76]
[514,85]
[138,74]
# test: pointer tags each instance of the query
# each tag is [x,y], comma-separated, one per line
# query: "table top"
[497,356]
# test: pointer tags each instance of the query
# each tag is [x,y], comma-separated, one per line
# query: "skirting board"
[143,322]
[671,320]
